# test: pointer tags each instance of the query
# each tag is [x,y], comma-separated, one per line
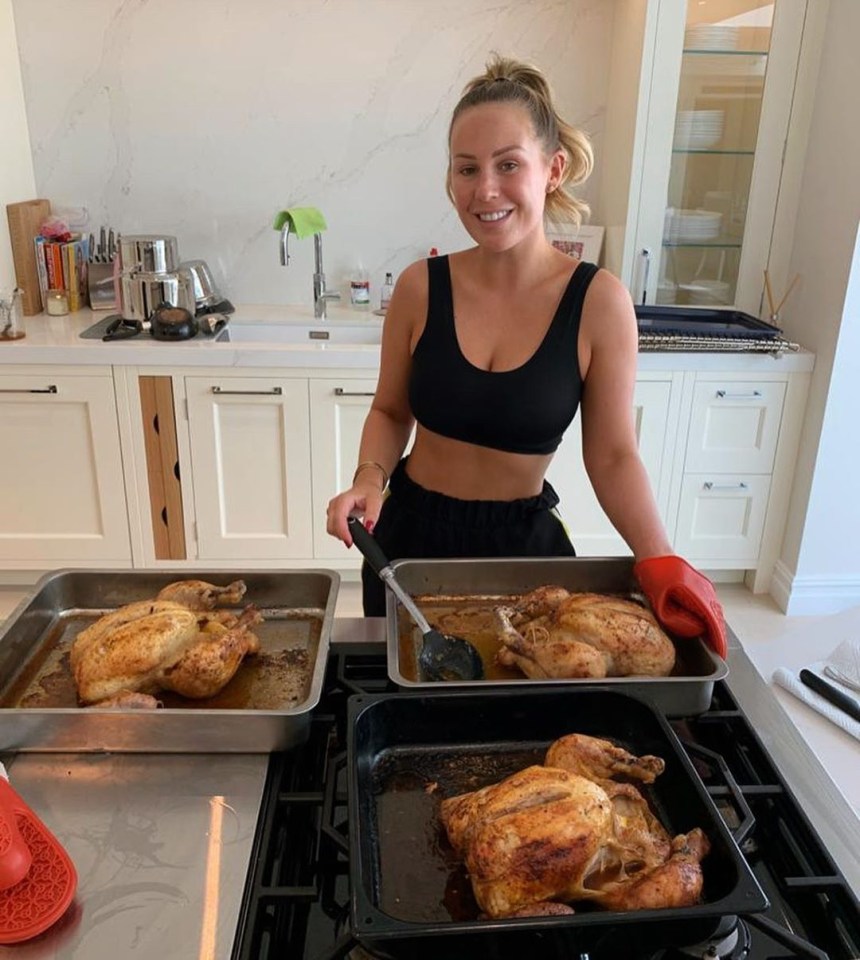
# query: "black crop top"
[524,410]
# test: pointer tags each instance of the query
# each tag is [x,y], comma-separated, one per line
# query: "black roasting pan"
[410,897]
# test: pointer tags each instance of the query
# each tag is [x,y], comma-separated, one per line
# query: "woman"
[490,351]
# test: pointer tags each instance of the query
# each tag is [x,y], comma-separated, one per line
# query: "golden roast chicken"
[551,633]
[177,641]
[569,830]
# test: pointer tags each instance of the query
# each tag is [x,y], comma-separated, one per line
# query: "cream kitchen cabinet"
[62,496]
[338,409]
[262,451]
[250,453]
[727,458]
[697,145]
[655,413]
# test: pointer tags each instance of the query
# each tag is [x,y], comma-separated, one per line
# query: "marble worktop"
[57,341]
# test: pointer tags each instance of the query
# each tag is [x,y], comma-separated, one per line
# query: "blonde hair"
[509,81]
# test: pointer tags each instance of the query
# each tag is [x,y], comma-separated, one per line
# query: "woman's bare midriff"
[468,472]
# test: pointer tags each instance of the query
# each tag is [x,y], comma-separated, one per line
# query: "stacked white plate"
[711,36]
[698,129]
[707,293]
[691,226]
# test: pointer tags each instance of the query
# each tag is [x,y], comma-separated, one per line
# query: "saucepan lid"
[172,323]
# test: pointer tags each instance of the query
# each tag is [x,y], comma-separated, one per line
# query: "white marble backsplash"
[203,118]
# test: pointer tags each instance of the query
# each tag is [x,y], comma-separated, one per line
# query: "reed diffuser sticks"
[775,308]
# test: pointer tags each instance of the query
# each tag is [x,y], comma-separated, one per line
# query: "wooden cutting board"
[24,222]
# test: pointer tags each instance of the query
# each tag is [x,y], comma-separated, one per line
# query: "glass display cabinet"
[699,109]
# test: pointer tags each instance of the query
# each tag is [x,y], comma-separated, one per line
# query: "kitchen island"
[163,842]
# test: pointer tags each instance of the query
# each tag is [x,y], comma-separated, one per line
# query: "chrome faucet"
[321,295]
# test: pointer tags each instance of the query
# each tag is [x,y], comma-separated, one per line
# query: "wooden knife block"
[24,221]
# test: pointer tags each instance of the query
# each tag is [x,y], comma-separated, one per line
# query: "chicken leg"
[199,595]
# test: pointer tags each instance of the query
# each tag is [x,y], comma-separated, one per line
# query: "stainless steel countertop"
[162,842]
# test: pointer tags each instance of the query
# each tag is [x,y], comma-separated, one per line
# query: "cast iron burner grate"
[296,899]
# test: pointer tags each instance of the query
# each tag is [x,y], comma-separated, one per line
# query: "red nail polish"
[370,525]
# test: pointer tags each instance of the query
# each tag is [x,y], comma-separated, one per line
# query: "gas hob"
[296,902]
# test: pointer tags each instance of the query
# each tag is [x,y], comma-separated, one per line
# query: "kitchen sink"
[367,332]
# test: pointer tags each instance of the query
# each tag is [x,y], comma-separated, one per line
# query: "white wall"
[820,562]
[17,182]
[203,118]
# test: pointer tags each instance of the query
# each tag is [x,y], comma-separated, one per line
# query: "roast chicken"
[569,831]
[551,633]
[175,642]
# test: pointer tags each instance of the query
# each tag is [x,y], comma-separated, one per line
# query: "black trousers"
[420,524]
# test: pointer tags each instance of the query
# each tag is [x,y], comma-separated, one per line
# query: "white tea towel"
[791,681]
[844,664]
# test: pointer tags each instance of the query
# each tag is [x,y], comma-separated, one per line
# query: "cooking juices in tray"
[472,618]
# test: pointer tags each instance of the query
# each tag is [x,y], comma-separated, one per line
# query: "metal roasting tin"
[265,707]
[464,584]
[411,896]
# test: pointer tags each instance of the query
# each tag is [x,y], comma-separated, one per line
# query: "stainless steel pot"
[205,292]
[148,253]
[141,294]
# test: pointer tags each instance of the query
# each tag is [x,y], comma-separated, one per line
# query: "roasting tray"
[440,585]
[411,897]
[265,707]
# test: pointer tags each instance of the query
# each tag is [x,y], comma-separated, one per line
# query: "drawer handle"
[49,389]
[274,392]
[725,395]
[709,485]
[340,392]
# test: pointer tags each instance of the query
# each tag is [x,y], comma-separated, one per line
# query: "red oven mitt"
[683,600]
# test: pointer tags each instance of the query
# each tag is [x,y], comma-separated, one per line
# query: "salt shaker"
[11,315]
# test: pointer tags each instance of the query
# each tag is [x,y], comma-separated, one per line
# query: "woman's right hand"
[361,500]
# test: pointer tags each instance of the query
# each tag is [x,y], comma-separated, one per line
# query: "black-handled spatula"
[442,657]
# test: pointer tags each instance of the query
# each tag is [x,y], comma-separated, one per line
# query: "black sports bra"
[524,410]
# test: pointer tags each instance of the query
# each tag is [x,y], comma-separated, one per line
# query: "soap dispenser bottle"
[385,293]
[359,289]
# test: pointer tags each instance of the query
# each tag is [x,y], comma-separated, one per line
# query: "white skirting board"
[812,596]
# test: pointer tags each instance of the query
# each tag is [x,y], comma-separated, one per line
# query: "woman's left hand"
[683,600]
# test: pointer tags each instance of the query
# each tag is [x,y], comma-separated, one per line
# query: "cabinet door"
[734,427]
[589,527]
[711,168]
[721,517]
[250,456]
[338,411]
[62,496]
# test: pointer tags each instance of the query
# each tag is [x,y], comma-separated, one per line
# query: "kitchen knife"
[839,699]
[102,245]
[110,246]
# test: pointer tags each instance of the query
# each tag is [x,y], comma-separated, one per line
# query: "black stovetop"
[296,900]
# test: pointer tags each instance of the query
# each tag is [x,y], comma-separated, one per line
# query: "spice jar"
[57,303]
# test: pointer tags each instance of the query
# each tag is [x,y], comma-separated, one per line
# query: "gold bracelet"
[371,463]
